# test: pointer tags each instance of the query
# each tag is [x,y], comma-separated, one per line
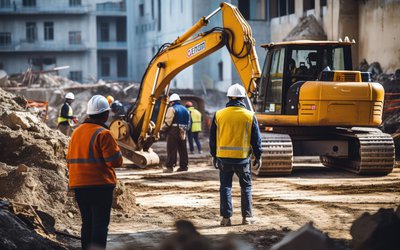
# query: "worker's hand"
[257,164]
[215,163]
[75,120]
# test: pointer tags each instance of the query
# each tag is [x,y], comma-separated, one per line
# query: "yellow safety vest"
[196,119]
[233,132]
[62,119]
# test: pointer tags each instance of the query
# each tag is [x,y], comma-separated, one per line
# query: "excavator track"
[370,152]
[277,157]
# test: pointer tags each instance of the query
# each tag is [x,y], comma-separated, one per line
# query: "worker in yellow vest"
[194,128]
[66,119]
[234,134]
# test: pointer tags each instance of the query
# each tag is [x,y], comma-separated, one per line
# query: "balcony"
[112,45]
[111,9]
[56,8]
[37,46]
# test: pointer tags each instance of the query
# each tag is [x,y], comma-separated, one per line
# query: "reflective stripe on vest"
[62,119]
[91,158]
[234,132]
[196,119]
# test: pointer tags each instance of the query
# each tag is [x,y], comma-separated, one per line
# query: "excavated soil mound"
[33,168]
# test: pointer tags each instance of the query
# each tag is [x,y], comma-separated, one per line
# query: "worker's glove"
[257,164]
[215,163]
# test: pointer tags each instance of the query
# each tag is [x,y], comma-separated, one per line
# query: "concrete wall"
[379,33]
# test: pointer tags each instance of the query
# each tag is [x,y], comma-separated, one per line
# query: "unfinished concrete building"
[88,36]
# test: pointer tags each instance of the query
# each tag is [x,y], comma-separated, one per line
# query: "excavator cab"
[288,65]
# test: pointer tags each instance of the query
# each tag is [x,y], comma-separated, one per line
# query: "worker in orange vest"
[92,156]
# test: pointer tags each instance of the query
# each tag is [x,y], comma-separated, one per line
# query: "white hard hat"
[97,104]
[236,90]
[70,96]
[174,97]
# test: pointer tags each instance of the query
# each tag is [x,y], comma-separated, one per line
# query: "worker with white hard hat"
[175,126]
[234,135]
[92,156]
[66,119]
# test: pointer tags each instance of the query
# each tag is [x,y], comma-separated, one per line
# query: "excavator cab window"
[272,82]
[288,67]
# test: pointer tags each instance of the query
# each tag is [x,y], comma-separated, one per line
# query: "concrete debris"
[377,231]
[16,230]
[307,237]
[308,28]
[186,237]
[3,78]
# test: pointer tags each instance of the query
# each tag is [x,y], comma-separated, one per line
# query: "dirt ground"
[332,199]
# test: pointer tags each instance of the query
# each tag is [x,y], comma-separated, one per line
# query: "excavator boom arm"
[183,52]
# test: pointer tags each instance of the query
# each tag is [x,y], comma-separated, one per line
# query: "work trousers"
[65,129]
[95,207]
[195,136]
[225,176]
[176,144]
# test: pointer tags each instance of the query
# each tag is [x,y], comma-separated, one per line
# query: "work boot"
[181,169]
[226,222]
[248,220]
[200,151]
[168,170]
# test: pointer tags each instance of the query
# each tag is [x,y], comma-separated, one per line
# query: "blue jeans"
[225,176]
[195,136]
[95,207]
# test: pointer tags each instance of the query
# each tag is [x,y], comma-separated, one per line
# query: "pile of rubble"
[33,167]
[370,232]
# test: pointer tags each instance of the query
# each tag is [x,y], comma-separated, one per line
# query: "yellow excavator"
[303,107]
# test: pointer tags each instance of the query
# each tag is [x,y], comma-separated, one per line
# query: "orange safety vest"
[92,156]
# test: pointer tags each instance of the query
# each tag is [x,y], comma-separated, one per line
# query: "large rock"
[377,231]
[307,237]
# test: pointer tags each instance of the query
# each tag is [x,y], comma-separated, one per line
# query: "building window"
[104,32]
[75,37]
[152,9]
[29,3]
[5,3]
[75,2]
[279,8]
[48,31]
[5,38]
[105,66]
[159,15]
[322,3]
[75,76]
[43,63]
[308,5]
[254,10]
[221,70]
[31,34]
[141,9]
[291,7]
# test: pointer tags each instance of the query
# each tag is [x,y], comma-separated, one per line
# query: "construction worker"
[110,100]
[66,118]
[234,134]
[195,127]
[92,156]
[175,125]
